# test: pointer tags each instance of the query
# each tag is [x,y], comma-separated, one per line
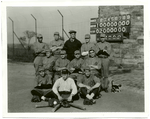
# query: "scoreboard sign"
[113,26]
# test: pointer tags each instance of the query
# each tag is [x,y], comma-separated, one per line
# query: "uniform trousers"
[41,90]
[105,72]
[83,91]
[50,75]
[38,62]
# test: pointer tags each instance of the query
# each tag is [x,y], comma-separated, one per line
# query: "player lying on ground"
[89,85]
[43,86]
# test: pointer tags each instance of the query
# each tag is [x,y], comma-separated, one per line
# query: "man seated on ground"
[43,86]
[93,62]
[89,85]
[75,66]
[64,88]
[48,64]
[60,64]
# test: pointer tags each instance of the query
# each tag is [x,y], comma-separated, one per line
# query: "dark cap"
[72,31]
[41,69]
[87,68]
[87,36]
[77,51]
[62,52]
[102,35]
[64,71]
[56,33]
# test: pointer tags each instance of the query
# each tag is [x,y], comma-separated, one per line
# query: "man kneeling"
[89,86]
[64,88]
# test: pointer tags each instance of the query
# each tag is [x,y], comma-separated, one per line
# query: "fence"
[20,54]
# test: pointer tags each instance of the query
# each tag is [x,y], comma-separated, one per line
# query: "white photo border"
[75,3]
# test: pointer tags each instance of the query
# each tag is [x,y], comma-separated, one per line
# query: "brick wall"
[130,52]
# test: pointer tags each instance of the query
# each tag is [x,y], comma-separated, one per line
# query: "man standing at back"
[39,49]
[56,45]
[87,46]
[72,45]
[105,60]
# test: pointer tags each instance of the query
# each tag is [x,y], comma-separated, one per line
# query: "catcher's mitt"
[53,102]
[65,103]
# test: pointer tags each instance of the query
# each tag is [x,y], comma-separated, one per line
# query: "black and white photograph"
[75,59]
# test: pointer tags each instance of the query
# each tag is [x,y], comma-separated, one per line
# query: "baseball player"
[56,45]
[105,46]
[75,66]
[93,62]
[64,88]
[89,85]
[39,49]
[48,64]
[43,86]
[87,46]
[72,45]
[60,64]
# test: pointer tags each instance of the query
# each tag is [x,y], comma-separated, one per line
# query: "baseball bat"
[41,106]
[77,106]
[56,108]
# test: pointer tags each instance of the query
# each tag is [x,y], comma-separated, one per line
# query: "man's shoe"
[93,101]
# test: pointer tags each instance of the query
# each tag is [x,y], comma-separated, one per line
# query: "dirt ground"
[21,81]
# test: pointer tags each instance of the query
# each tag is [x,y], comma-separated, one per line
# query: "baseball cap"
[102,35]
[64,71]
[77,52]
[62,52]
[48,50]
[39,36]
[41,69]
[56,33]
[72,31]
[91,51]
[87,36]
[87,68]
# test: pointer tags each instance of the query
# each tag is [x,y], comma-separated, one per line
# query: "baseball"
[55,102]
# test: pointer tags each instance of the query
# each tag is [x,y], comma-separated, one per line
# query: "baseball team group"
[71,70]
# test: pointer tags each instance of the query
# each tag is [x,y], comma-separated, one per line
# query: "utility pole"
[65,33]
[12,34]
[35,28]
[62,23]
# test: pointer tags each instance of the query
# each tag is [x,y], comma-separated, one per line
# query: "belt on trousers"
[49,70]
[40,55]
[103,57]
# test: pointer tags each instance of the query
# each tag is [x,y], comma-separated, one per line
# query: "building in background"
[137,17]
[129,50]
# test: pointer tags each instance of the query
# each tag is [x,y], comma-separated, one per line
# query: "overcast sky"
[49,20]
